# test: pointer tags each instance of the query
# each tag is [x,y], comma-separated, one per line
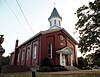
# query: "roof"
[55,14]
[65,50]
[51,31]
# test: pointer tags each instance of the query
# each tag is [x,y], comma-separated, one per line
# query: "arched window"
[54,22]
[34,51]
[50,50]
[23,54]
[59,23]
[28,52]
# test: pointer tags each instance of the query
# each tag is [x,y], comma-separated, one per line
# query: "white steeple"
[55,19]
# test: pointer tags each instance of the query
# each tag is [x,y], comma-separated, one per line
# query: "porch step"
[71,68]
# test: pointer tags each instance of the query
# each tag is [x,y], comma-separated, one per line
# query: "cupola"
[55,19]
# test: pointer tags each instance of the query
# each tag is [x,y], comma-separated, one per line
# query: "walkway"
[74,72]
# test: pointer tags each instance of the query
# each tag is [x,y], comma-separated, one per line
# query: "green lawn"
[45,75]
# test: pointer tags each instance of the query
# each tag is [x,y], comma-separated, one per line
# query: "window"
[54,21]
[18,57]
[61,37]
[34,51]
[50,50]
[23,54]
[28,52]
[59,23]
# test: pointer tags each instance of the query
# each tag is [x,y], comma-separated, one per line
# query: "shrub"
[87,68]
[55,69]
[44,69]
[62,68]
[79,66]
[46,62]
[56,65]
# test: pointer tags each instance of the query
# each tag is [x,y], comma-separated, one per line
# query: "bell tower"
[55,19]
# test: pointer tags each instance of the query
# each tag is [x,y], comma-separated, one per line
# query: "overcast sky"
[14,26]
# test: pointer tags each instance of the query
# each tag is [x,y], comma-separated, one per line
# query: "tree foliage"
[95,57]
[82,61]
[5,60]
[88,26]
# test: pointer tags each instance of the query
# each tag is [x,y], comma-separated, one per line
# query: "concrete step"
[71,68]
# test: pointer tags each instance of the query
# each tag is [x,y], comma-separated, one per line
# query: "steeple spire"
[55,19]
[55,14]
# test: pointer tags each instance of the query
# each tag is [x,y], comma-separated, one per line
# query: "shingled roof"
[55,14]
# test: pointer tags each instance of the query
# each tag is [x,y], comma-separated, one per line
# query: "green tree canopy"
[88,26]
[95,57]
[5,61]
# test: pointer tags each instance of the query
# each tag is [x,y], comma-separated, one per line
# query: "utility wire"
[15,16]
[24,16]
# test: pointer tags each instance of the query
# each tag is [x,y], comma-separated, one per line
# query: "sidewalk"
[74,72]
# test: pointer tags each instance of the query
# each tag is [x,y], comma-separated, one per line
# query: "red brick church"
[55,43]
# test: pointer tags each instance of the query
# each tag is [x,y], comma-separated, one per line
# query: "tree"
[5,60]
[97,54]
[82,61]
[88,26]
[95,57]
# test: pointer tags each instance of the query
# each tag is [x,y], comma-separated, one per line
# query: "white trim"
[71,59]
[28,52]
[50,54]
[23,54]
[51,50]
[61,59]
[34,51]
[65,50]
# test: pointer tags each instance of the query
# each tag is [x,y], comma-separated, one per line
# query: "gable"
[69,36]
[63,31]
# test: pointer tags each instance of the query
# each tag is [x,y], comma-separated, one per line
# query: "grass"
[28,74]
[70,75]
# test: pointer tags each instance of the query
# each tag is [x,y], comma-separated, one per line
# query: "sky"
[14,26]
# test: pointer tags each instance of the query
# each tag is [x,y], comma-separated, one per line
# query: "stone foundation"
[14,69]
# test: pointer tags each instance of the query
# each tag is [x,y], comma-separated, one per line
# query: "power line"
[24,16]
[15,16]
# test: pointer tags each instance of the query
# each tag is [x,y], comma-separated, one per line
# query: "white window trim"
[50,51]
[55,22]
[59,23]
[28,52]
[34,51]
[23,54]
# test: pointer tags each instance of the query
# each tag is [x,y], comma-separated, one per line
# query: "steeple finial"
[54,4]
